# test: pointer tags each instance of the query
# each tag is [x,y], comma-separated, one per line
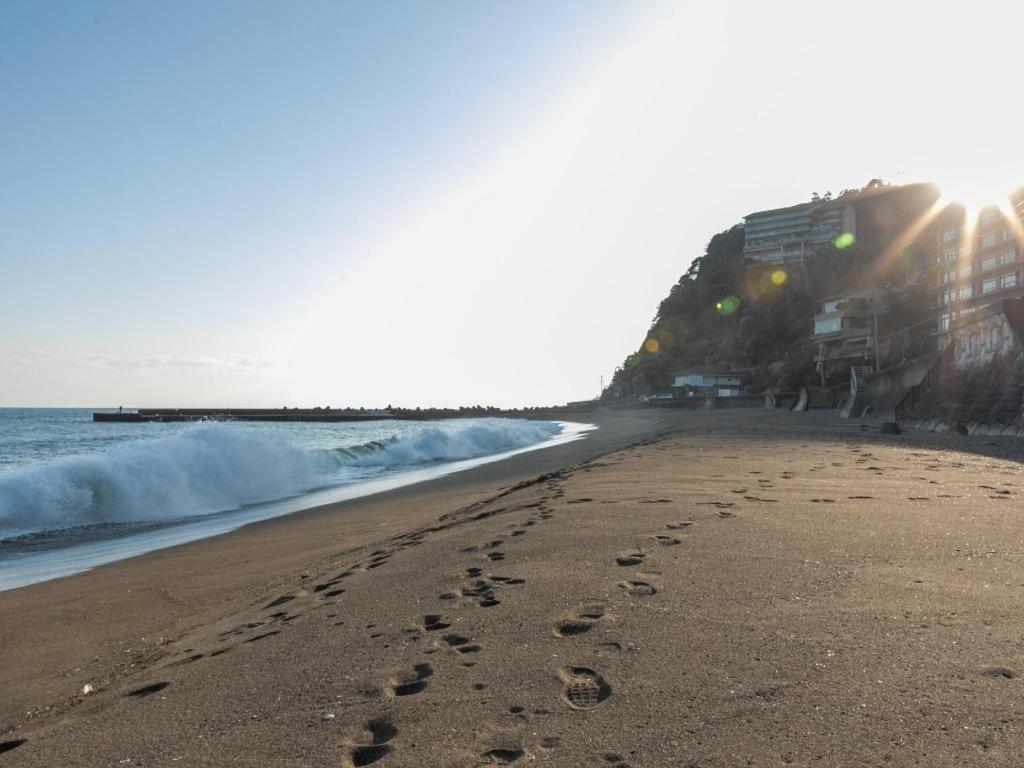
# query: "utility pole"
[877,366]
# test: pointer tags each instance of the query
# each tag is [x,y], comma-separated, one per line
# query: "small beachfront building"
[700,382]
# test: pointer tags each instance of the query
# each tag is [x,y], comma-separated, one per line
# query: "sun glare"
[979,191]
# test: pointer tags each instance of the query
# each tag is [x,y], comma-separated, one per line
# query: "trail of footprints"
[480,588]
[583,687]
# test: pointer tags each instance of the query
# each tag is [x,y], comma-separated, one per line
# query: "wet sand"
[696,589]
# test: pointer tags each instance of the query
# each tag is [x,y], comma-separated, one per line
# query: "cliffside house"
[698,382]
[844,330]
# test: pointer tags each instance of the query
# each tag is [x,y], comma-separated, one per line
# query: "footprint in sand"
[638,588]
[580,619]
[679,526]
[571,627]
[998,672]
[263,636]
[630,557]
[433,622]
[7,746]
[188,659]
[378,733]
[584,688]
[614,760]
[719,504]
[481,588]
[410,683]
[503,756]
[285,599]
[147,690]
[666,541]
[461,643]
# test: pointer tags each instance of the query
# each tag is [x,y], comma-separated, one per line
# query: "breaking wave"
[214,467]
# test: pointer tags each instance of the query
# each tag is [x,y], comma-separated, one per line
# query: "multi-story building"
[976,263]
[844,331]
[790,235]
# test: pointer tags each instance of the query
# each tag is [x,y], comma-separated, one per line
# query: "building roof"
[787,209]
[703,372]
[859,196]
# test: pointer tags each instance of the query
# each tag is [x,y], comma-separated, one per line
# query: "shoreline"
[583,585]
[27,567]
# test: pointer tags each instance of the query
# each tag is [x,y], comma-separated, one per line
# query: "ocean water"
[75,494]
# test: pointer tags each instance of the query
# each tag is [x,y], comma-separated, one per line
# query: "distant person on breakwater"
[119,408]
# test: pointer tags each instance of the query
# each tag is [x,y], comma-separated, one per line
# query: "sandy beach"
[731,588]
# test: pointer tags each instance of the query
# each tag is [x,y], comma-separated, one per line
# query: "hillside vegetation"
[728,311]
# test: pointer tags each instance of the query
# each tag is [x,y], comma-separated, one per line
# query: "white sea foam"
[214,467]
[450,442]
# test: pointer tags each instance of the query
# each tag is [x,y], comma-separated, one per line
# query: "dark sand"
[748,589]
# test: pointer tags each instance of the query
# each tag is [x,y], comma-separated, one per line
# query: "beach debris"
[327,716]
[87,689]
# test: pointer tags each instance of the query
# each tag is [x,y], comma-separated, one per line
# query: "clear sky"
[434,203]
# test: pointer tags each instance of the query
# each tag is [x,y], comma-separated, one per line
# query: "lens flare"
[779,277]
[728,305]
[845,240]
[652,345]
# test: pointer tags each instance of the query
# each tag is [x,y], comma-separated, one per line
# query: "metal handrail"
[923,388]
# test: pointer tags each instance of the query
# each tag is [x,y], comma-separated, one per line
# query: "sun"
[977,190]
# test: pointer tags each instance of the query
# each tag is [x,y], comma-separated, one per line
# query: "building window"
[831,325]
[830,306]
[1009,280]
[947,296]
[988,216]
[944,321]
[1007,235]
[949,235]
[1009,256]
[989,262]
[987,241]
[948,256]
[988,285]
[966,291]
[966,270]
[949,276]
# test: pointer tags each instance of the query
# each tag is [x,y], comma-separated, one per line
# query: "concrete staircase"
[859,397]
